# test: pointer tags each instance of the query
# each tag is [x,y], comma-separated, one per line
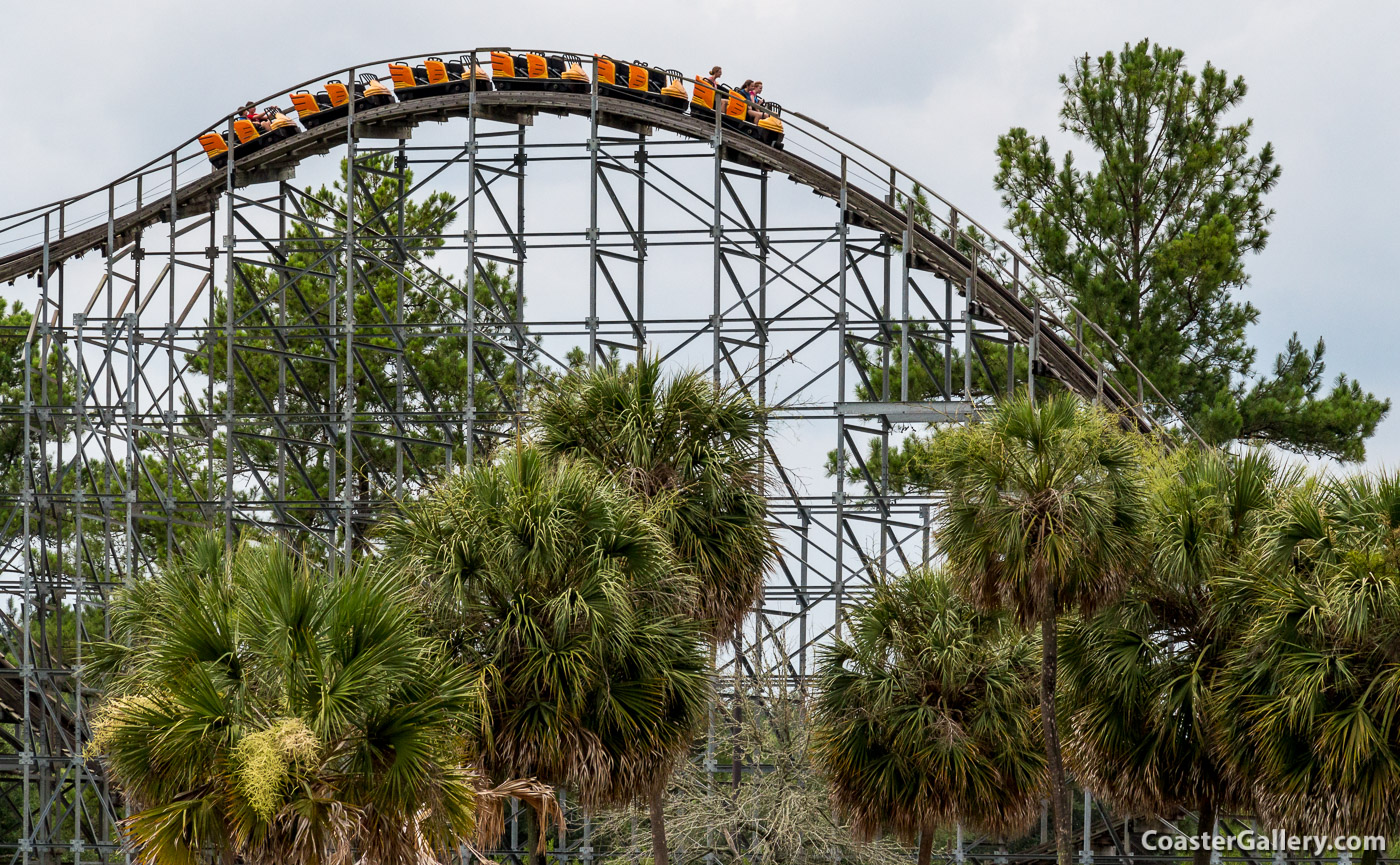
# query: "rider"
[260,119]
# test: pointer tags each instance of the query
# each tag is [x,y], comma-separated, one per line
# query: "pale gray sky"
[96,88]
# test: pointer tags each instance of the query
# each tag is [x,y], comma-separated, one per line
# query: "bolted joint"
[593,233]
[716,232]
[79,319]
[470,236]
[593,145]
[591,322]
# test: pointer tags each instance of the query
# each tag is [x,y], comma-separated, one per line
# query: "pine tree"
[1151,244]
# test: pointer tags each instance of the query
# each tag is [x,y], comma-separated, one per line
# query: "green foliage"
[1142,678]
[257,706]
[927,715]
[557,592]
[691,450]
[1043,505]
[1311,715]
[1043,508]
[1151,245]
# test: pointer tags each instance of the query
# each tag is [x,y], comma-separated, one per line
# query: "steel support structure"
[254,355]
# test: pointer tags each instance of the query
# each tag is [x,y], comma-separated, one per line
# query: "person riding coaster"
[744,111]
[253,130]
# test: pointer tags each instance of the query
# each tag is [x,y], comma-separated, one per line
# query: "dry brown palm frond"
[490,815]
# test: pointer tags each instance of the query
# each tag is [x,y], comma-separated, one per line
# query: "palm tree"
[1143,676]
[1043,506]
[558,593]
[1314,693]
[694,451]
[688,446]
[268,711]
[926,715]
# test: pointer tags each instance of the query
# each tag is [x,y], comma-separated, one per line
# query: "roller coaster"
[661,230]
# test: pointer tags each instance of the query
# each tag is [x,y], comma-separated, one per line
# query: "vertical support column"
[804,602]
[80,564]
[228,340]
[886,328]
[640,314]
[28,597]
[471,271]
[593,145]
[968,327]
[284,249]
[1086,853]
[400,341]
[170,335]
[1034,356]
[907,252]
[717,234]
[923,534]
[520,162]
[348,399]
[948,311]
[840,497]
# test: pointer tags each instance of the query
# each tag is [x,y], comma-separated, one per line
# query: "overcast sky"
[96,88]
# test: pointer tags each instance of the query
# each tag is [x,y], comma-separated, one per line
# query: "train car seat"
[502,65]
[606,70]
[245,129]
[214,144]
[402,76]
[736,107]
[703,94]
[305,104]
[338,92]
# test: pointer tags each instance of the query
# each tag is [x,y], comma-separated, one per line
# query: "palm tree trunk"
[1204,826]
[655,809]
[925,846]
[1059,792]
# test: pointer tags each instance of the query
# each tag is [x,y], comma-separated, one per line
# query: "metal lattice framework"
[624,227]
